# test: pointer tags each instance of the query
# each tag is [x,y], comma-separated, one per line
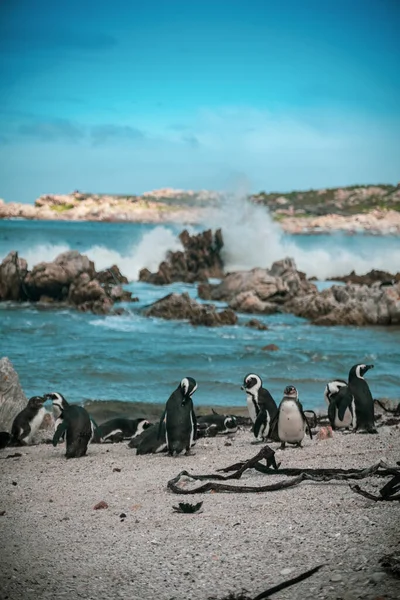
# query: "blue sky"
[125,96]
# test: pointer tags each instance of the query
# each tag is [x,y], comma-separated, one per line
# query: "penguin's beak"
[242,387]
[367,367]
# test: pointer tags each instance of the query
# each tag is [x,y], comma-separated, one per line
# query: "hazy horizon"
[197,95]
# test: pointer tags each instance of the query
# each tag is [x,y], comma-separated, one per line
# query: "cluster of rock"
[374,276]
[263,291]
[70,279]
[352,304]
[199,260]
[181,306]
[376,221]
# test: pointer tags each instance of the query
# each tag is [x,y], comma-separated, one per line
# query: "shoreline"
[376,222]
[56,545]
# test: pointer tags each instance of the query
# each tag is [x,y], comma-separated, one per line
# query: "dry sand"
[55,545]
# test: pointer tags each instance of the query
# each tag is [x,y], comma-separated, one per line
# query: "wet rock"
[350,305]
[111,276]
[270,348]
[199,260]
[88,295]
[370,278]
[256,324]
[12,397]
[13,271]
[181,306]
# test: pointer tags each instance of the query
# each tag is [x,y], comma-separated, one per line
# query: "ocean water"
[135,359]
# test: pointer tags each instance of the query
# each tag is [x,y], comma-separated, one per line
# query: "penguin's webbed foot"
[190,453]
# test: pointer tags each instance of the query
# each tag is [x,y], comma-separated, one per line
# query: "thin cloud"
[101,134]
[52,131]
[191,140]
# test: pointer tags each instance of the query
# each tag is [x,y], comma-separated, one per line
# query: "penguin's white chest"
[347,420]
[35,424]
[291,425]
[251,407]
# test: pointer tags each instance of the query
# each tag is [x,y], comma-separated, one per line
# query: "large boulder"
[260,290]
[199,260]
[13,271]
[87,294]
[181,306]
[351,304]
[12,397]
[52,279]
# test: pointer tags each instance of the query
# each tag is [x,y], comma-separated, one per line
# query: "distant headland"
[361,208]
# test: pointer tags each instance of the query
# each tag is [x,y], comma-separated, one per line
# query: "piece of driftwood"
[277,588]
[267,454]
[390,491]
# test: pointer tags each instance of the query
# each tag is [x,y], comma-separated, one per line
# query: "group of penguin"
[350,406]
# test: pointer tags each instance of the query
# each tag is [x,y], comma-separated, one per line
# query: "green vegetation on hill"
[343,201]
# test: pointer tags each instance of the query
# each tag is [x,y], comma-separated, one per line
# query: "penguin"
[356,398]
[60,405]
[28,421]
[150,441]
[180,420]
[259,402]
[224,424]
[117,430]
[78,428]
[291,424]
[334,400]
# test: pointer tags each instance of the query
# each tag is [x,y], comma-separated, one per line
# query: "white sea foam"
[253,239]
[148,252]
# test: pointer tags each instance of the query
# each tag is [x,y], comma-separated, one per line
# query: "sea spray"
[253,239]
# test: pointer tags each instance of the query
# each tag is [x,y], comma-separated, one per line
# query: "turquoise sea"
[135,359]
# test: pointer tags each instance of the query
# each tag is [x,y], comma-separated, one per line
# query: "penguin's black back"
[267,402]
[180,425]
[364,403]
[78,430]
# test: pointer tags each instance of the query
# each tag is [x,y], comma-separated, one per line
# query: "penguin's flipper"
[273,429]
[259,422]
[343,400]
[194,419]
[59,432]
[159,436]
[214,412]
[305,419]
[97,436]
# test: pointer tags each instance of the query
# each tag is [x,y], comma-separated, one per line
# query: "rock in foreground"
[12,397]
[181,306]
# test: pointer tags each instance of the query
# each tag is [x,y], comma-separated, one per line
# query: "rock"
[199,260]
[100,505]
[181,306]
[13,271]
[256,324]
[260,290]
[112,276]
[54,278]
[12,397]
[369,278]
[88,295]
[350,305]
[336,577]
[270,348]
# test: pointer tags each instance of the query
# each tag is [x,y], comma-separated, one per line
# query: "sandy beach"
[55,545]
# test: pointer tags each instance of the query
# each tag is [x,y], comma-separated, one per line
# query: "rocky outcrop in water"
[181,306]
[12,397]
[199,260]
[350,305]
[260,290]
[70,279]
[374,276]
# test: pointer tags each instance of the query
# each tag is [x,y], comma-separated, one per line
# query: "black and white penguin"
[59,406]
[355,398]
[334,401]
[213,424]
[78,429]
[261,406]
[28,421]
[150,441]
[180,420]
[117,430]
[291,423]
